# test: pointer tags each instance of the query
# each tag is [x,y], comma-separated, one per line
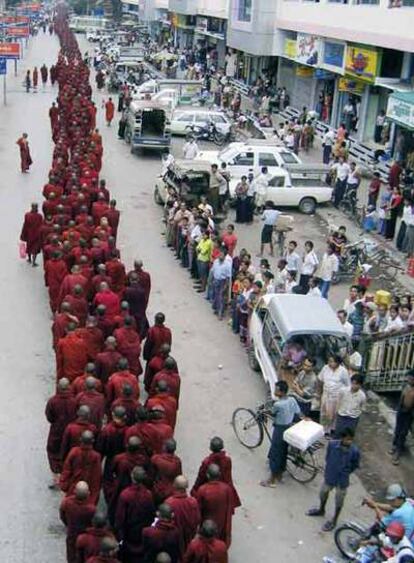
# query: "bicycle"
[251,426]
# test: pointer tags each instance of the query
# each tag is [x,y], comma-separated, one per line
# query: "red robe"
[106,364]
[113,219]
[216,502]
[224,462]
[206,550]
[116,382]
[164,431]
[82,464]
[25,157]
[129,346]
[77,516]
[60,411]
[171,378]
[109,111]
[186,516]
[96,403]
[78,386]
[111,301]
[166,467]
[71,356]
[149,435]
[94,340]
[32,232]
[110,443]
[55,272]
[78,306]
[156,337]
[130,405]
[144,279]
[72,434]
[116,271]
[59,327]
[88,543]
[169,403]
[162,536]
[135,510]
[151,369]
[69,283]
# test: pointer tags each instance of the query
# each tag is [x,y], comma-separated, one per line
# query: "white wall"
[257,36]
[214,8]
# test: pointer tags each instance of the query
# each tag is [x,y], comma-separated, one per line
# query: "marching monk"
[83,463]
[206,547]
[78,304]
[166,467]
[106,362]
[55,272]
[219,457]
[157,420]
[216,501]
[163,535]
[163,397]
[75,277]
[155,365]
[186,511]
[71,354]
[113,215]
[145,431]
[107,552]
[93,399]
[89,542]
[118,379]
[128,401]
[135,511]
[109,298]
[54,117]
[144,278]
[93,338]
[74,431]
[157,335]
[60,411]
[116,271]
[25,158]
[79,384]
[32,233]
[169,374]
[61,323]
[129,345]
[109,111]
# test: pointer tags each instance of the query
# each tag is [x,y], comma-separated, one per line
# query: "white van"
[183,121]
[280,318]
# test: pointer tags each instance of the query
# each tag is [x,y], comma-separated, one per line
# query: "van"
[281,319]
[148,125]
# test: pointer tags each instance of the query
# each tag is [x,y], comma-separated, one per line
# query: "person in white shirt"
[349,303]
[281,274]
[328,142]
[261,185]
[190,149]
[327,269]
[309,266]
[343,319]
[341,170]
[351,403]
[251,194]
[314,287]
[395,323]
[294,261]
[333,377]
[269,217]
[290,281]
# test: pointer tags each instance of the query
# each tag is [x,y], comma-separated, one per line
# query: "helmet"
[395,530]
[395,491]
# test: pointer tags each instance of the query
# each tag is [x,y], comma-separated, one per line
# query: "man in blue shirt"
[342,458]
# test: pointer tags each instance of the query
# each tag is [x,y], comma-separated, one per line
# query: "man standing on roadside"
[405,417]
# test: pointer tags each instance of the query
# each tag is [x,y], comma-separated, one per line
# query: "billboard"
[10,50]
[307,49]
[361,62]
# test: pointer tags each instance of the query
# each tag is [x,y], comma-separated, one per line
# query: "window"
[187,117]
[289,157]
[277,182]
[244,159]
[267,159]
[271,340]
[244,11]
[339,1]
[366,2]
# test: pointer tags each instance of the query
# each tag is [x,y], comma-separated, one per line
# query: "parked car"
[309,321]
[183,121]
[167,97]
[241,157]
[297,185]
[148,125]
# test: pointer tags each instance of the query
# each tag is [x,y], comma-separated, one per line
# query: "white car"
[182,121]
[167,97]
[298,186]
[242,158]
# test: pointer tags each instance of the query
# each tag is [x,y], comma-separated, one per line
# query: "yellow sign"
[304,71]
[290,48]
[361,62]
[351,85]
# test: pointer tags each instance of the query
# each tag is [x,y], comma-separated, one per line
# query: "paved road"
[270,521]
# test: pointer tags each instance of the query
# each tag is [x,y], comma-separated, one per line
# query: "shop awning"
[401,108]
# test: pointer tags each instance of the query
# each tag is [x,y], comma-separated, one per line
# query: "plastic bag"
[22,249]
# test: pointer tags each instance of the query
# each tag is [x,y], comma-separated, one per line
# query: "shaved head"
[63,384]
[81,490]
[181,483]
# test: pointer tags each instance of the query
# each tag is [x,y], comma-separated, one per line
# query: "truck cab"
[148,126]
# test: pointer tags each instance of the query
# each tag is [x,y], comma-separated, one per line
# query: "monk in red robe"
[109,298]
[216,502]
[164,398]
[135,296]
[206,547]
[113,215]
[60,411]
[61,322]
[118,379]
[109,111]
[93,399]
[76,512]
[169,374]
[89,542]
[218,457]
[107,553]
[79,384]
[166,467]
[186,511]
[54,117]
[71,355]
[93,338]
[135,511]
[83,463]
[144,278]
[115,269]
[155,365]
[74,278]
[32,233]
[158,421]
[74,431]
[78,304]
[129,345]
[55,272]
[147,432]
[157,335]
[106,362]
[25,157]
[128,401]
[162,536]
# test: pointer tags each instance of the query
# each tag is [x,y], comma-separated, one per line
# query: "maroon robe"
[135,510]
[129,346]
[88,543]
[94,340]
[78,306]
[71,356]
[60,411]
[135,296]
[55,272]
[148,434]
[224,462]
[82,464]
[96,403]
[69,283]
[106,364]
[164,431]
[171,378]
[113,219]
[169,404]
[72,434]
[110,443]
[116,271]
[144,280]
[77,516]
[59,326]
[162,536]
[130,405]
[32,232]
[206,550]
[156,337]
[186,516]
[117,381]
[166,467]
[151,369]
[216,502]
[78,386]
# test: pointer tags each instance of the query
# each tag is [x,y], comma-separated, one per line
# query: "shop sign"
[289,49]
[304,71]
[351,85]
[17,31]
[401,111]
[333,54]
[307,49]
[361,62]
[202,23]
[10,50]
[14,19]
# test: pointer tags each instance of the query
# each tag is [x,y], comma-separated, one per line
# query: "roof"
[303,315]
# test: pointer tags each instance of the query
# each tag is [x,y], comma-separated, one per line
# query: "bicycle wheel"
[301,466]
[248,429]
[347,539]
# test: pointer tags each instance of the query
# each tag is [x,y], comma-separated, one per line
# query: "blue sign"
[333,54]
[3,65]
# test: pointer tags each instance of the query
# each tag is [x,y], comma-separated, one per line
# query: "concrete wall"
[257,36]
[213,8]
[188,7]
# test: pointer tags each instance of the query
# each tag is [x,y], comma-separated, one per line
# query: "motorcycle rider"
[397,509]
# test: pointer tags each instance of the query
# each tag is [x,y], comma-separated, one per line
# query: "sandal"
[315,512]
[328,526]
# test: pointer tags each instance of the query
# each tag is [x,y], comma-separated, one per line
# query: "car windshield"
[289,157]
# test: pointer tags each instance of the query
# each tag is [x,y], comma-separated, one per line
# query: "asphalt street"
[271,523]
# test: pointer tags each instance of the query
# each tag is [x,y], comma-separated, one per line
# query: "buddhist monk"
[168,374]
[71,354]
[74,431]
[157,420]
[54,117]
[163,397]
[32,233]
[60,411]
[166,466]
[134,294]
[116,271]
[219,457]
[206,547]
[109,111]
[93,338]
[158,335]
[129,345]
[83,463]
[76,512]
[147,432]
[107,361]
[25,157]
[128,401]
[216,502]
[186,511]
[55,272]
[163,535]
[89,542]
[103,322]
[95,400]
[135,511]
[79,384]
[117,380]
[74,278]
[155,365]
[61,323]
[113,215]
[110,299]
[144,278]
[78,304]
[107,553]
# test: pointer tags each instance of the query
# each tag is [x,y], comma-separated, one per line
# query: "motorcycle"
[351,263]
[207,133]
[349,535]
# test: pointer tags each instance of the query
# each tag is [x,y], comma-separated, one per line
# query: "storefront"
[183,30]
[400,111]
[210,34]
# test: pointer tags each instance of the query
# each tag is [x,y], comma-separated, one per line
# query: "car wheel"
[157,197]
[307,205]
[254,364]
